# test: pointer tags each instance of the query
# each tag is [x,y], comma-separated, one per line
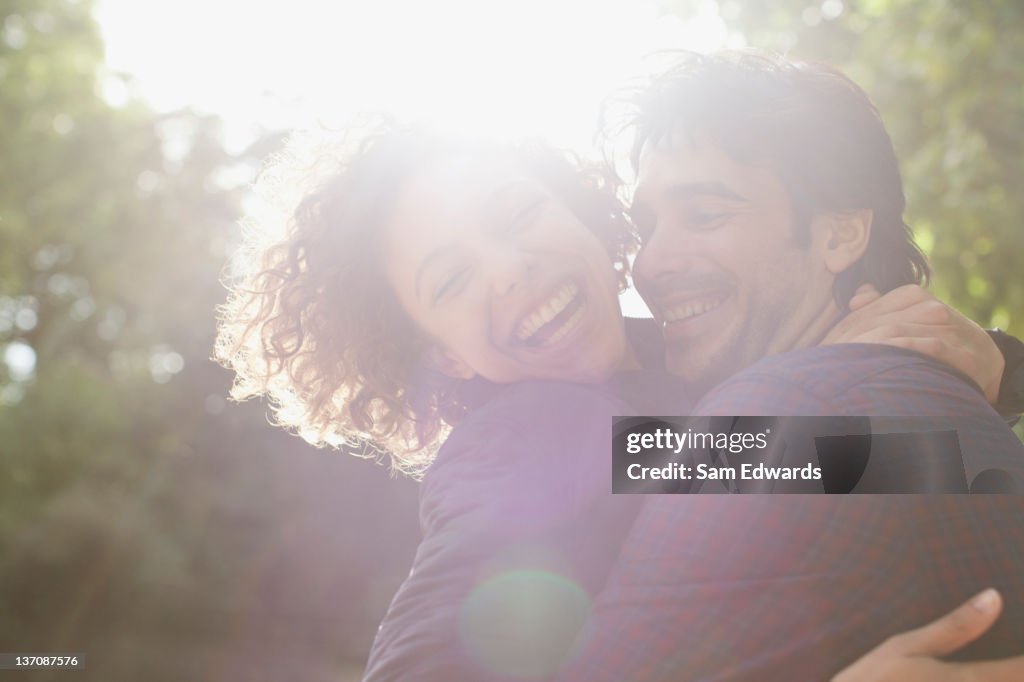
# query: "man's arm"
[910,317]
[796,587]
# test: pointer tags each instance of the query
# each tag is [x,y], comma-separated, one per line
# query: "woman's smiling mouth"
[553,319]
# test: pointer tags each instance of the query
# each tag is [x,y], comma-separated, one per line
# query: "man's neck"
[818,322]
[809,335]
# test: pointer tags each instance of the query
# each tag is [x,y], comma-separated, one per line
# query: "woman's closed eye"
[450,284]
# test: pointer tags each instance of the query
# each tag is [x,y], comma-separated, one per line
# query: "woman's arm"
[913,656]
[910,317]
[519,531]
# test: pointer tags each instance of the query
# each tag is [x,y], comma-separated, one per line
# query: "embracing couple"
[455,304]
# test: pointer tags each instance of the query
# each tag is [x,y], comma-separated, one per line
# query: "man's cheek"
[639,272]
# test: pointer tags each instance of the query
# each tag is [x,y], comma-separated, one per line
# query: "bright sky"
[521,66]
[515,67]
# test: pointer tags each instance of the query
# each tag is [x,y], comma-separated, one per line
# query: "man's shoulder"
[847,363]
[844,379]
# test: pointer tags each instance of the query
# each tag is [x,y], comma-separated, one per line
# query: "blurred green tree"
[142,522]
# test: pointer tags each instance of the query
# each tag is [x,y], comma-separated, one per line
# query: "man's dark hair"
[807,122]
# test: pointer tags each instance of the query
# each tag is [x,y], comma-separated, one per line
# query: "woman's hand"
[912,656]
[910,317]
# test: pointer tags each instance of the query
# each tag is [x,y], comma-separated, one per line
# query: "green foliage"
[142,521]
[108,245]
[948,77]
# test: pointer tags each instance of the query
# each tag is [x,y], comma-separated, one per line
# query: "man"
[767,192]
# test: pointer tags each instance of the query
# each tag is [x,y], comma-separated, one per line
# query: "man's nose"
[666,252]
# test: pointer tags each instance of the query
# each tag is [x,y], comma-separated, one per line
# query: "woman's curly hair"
[311,321]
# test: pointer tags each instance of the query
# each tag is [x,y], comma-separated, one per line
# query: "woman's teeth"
[569,325]
[690,309]
[549,310]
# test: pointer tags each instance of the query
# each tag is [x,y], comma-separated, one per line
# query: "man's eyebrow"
[682,191]
[687,190]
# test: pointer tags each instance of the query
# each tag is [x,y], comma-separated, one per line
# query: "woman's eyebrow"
[500,193]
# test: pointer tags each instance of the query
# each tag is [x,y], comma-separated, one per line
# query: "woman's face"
[502,276]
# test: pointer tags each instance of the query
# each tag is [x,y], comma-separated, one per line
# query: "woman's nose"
[510,269]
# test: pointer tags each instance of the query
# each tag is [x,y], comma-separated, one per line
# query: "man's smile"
[690,315]
[677,312]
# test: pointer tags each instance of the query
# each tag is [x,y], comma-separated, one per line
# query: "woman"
[435,290]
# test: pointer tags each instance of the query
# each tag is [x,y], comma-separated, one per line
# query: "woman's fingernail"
[987,601]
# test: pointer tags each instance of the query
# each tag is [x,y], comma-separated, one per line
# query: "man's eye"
[706,219]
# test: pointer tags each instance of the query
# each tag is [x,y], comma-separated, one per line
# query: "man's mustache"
[684,284]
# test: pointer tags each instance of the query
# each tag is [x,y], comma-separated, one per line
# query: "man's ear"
[846,238]
[449,363]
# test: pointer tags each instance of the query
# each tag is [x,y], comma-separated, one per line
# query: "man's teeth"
[690,309]
[547,311]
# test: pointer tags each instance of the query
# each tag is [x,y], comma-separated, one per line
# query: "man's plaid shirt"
[797,587]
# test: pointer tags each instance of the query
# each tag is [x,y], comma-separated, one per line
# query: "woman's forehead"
[470,174]
[463,186]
